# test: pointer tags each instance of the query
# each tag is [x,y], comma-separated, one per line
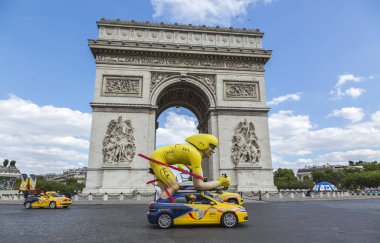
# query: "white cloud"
[376,116]
[210,12]
[342,157]
[43,138]
[177,127]
[285,124]
[353,114]
[344,78]
[354,93]
[280,99]
[295,142]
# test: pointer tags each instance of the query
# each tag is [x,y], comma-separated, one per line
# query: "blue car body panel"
[175,210]
[31,199]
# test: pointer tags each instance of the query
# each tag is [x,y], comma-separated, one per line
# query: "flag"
[24,182]
[32,182]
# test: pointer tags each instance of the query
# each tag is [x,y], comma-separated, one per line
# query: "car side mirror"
[212,203]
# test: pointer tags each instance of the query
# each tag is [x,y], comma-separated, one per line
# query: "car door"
[45,201]
[205,212]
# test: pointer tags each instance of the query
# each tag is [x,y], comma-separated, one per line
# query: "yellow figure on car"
[200,146]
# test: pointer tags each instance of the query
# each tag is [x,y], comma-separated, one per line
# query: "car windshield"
[216,198]
[55,195]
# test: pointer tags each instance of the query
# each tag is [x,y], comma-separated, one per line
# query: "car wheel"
[229,220]
[165,221]
[52,205]
[28,205]
[234,201]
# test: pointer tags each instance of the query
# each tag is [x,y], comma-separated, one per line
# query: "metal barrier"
[254,196]
[300,195]
[107,197]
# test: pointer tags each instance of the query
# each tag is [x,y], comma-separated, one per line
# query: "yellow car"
[196,209]
[229,197]
[47,200]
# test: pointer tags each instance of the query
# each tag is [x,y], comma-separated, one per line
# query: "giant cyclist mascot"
[190,155]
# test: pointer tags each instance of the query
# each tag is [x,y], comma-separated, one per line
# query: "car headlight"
[241,209]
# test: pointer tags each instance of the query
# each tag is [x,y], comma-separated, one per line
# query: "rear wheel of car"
[234,201]
[165,221]
[28,205]
[52,205]
[229,220]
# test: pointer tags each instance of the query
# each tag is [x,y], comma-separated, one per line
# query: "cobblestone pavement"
[297,221]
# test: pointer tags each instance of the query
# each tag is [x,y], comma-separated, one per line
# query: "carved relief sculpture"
[157,77]
[181,62]
[122,85]
[119,142]
[245,147]
[207,79]
[235,89]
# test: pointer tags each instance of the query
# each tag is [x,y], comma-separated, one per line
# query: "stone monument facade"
[144,68]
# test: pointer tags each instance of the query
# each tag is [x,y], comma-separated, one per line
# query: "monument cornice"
[177,48]
[178,59]
[117,107]
[230,108]
[176,26]
[182,36]
[238,111]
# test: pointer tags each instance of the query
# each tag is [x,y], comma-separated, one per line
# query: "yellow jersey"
[185,154]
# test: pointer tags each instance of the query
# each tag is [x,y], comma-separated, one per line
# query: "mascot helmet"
[203,141]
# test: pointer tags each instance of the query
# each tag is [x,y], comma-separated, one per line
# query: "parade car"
[47,200]
[229,197]
[196,209]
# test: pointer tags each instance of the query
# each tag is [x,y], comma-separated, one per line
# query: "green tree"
[73,185]
[307,183]
[50,185]
[328,175]
[285,179]
[371,166]
[5,163]
[12,164]
[359,162]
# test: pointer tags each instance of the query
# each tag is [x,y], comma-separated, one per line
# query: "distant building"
[80,174]
[8,177]
[307,171]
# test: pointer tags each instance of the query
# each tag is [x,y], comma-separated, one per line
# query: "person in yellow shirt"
[200,146]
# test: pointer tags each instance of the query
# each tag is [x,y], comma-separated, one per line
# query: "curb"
[246,201]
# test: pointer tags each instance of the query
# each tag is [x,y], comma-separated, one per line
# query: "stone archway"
[189,91]
[144,68]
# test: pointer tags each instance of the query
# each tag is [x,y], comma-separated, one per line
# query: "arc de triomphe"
[144,68]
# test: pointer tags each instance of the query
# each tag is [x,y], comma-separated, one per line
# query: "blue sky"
[322,80]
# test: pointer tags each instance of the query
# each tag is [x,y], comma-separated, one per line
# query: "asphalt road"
[316,221]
